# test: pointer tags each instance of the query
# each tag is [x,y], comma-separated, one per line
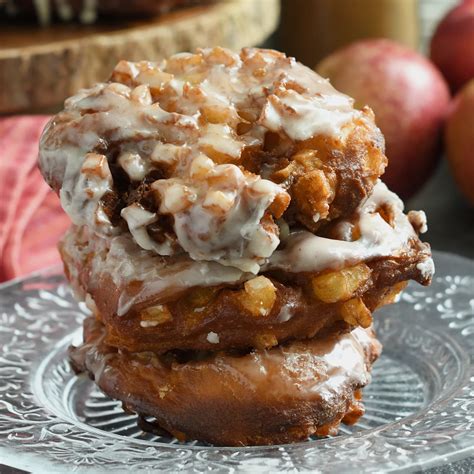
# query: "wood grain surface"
[40,67]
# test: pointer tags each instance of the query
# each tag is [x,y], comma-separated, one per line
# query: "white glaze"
[217,209]
[118,118]
[90,304]
[219,138]
[423,221]
[213,338]
[84,199]
[286,313]
[121,259]
[426,267]
[306,252]
[134,165]
[301,117]
[149,324]
[302,371]
[221,219]
[323,367]
[137,219]
[161,277]
[418,219]
[280,94]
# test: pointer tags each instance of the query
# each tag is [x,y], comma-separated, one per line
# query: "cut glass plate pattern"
[419,406]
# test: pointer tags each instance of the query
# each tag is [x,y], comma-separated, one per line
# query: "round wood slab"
[40,67]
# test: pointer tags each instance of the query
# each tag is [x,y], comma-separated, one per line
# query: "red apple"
[410,100]
[452,46]
[459,138]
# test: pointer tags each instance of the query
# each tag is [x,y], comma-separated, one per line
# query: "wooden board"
[40,67]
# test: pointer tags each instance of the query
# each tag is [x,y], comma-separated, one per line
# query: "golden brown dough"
[261,311]
[282,395]
[257,110]
[232,238]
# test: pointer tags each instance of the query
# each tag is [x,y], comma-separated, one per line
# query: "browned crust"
[213,400]
[222,312]
[327,177]
[350,168]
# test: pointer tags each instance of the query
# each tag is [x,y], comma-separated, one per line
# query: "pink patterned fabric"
[31,219]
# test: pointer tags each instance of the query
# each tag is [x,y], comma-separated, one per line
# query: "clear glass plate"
[420,405]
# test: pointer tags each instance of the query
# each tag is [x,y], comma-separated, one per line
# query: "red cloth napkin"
[31,218]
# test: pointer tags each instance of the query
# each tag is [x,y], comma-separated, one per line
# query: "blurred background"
[412,61]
